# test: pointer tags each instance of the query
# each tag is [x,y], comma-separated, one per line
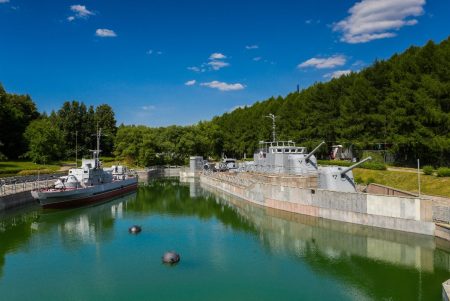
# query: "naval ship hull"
[84,196]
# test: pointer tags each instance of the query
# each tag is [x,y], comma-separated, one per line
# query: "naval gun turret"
[307,158]
[337,178]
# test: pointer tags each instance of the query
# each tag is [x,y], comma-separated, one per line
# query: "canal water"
[230,250]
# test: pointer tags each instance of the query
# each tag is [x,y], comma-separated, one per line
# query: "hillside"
[403,103]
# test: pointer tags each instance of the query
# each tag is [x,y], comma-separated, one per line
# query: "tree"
[45,141]
[104,117]
[16,113]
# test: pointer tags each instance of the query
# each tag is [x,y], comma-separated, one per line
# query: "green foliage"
[334,162]
[374,166]
[16,112]
[428,169]
[443,172]
[370,180]
[13,167]
[45,139]
[366,165]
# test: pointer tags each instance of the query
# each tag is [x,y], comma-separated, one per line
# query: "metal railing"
[15,186]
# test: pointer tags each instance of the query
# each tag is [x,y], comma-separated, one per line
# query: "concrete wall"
[16,200]
[409,214]
[386,190]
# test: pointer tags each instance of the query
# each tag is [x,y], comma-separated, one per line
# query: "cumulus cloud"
[337,73]
[323,63]
[258,58]
[378,19]
[4,1]
[217,65]
[105,33]
[80,12]
[250,47]
[217,56]
[190,82]
[222,86]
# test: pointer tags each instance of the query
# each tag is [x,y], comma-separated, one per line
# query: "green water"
[230,250]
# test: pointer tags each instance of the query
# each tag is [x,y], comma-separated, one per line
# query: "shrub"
[334,162]
[359,180]
[443,172]
[428,169]
[370,180]
[374,165]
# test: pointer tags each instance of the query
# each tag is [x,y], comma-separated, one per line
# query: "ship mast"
[96,152]
[273,117]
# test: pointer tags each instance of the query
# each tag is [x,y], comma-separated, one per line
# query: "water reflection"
[383,263]
[373,262]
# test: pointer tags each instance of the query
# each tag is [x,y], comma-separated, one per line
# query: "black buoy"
[135,229]
[171,257]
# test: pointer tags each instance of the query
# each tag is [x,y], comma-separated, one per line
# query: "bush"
[334,162]
[428,169]
[359,180]
[374,165]
[443,172]
[370,180]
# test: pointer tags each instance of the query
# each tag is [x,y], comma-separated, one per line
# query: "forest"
[400,106]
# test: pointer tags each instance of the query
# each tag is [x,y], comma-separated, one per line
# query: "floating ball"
[135,229]
[171,257]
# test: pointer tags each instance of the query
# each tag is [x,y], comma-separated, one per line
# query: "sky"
[164,62]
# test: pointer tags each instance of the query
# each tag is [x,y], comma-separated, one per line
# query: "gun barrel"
[355,165]
[314,150]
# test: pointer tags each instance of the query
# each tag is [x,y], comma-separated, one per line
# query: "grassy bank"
[25,168]
[431,185]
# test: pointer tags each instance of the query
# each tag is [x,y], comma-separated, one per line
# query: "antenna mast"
[76,149]
[273,117]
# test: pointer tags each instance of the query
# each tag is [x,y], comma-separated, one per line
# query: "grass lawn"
[431,185]
[14,167]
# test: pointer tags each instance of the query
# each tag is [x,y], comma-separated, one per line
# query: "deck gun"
[313,151]
[355,165]
[336,178]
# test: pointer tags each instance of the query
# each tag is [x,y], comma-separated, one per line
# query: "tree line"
[401,105]
[27,134]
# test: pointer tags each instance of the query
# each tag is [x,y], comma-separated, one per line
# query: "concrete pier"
[16,195]
[409,214]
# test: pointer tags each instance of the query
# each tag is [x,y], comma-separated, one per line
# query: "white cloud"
[322,63]
[105,33]
[217,56]
[4,1]
[149,52]
[337,73]
[377,19]
[190,82]
[258,58]
[194,68]
[217,65]
[223,86]
[148,108]
[250,47]
[80,12]
[308,21]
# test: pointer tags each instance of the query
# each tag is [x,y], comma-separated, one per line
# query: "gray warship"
[87,184]
[284,158]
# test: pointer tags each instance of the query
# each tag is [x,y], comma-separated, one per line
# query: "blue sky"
[165,62]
